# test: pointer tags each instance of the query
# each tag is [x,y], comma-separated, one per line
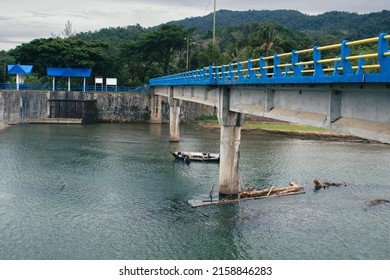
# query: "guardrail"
[338,63]
[47,87]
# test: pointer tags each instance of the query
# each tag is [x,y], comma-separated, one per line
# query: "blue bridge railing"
[49,87]
[338,63]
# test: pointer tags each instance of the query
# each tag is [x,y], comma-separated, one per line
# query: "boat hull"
[196,156]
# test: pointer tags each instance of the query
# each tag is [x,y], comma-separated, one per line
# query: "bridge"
[338,87]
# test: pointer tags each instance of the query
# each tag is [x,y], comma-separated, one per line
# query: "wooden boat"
[196,156]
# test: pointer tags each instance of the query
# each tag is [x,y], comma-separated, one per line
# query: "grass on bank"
[283,127]
[209,119]
[263,126]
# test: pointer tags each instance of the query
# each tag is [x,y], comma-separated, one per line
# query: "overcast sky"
[24,20]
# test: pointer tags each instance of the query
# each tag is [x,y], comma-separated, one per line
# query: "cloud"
[41,18]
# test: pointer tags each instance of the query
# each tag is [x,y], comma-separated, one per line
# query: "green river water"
[113,191]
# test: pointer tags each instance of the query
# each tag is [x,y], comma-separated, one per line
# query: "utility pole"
[214,22]
[214,25]
[5,66]
[188,54]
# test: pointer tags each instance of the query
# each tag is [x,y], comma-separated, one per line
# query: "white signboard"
[99,81]
[111,82]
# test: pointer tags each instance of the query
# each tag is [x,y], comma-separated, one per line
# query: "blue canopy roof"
[69,72]
[19,69]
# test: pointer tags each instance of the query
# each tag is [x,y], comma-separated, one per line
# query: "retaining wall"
[19,106]
[23,106]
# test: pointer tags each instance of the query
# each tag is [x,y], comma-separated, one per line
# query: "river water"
[113,191]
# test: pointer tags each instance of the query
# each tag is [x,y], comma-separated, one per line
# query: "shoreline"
[320,135]
[3,126]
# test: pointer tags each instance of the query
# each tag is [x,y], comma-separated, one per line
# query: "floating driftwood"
[202,203]
[377,202]
[252,194]
[272,191]
[322,185]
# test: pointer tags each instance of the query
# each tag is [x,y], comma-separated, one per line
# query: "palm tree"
[271,41]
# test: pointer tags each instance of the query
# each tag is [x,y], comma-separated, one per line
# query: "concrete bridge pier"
[174,117]
[231,123]
[155,107]
[334,107]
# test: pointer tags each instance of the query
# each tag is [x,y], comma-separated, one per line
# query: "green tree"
[58,52]
[162,44]
[135,65]
[271,42]
[209,56]
[5,59]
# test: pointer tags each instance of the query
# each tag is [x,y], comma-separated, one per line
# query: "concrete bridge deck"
[353,109]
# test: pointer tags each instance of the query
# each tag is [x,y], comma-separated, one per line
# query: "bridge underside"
[356,109]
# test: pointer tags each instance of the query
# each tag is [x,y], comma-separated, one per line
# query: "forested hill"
[340,24]
[134,54]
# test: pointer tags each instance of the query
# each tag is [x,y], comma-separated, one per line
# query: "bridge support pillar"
[270,99]
[334,109]
[174,117]
[155,107]
[231,123]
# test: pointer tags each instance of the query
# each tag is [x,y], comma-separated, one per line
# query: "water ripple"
[115,192]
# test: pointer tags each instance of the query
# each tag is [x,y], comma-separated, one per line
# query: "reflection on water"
[114,192]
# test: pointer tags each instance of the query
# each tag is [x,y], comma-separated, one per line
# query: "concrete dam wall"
[24,106]
[20,106]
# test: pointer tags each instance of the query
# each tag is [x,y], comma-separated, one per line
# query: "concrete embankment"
[19,106]
[119,107]
[32,107]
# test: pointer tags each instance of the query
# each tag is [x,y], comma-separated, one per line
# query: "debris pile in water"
[252,192]
[323,185]
[377,202]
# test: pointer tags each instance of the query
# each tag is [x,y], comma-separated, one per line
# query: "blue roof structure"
[69,72]
[20,69]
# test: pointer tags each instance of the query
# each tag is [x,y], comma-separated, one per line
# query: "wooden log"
[272,191]
[254,193]
[196,204]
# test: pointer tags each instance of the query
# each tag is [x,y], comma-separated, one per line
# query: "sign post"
[99,81]
[111,82]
